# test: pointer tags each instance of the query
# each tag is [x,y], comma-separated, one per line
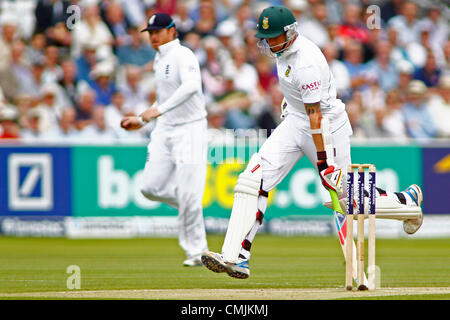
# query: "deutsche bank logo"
[30,180]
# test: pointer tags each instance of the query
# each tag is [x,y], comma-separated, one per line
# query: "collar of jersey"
[163,49]
[292,49]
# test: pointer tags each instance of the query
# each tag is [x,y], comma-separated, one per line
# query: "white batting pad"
[245,208]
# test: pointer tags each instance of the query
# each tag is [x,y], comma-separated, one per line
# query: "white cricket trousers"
[175,173]
[289,142]
[292,140]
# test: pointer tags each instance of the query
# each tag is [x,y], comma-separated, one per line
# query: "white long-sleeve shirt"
[305,77]
[179,95]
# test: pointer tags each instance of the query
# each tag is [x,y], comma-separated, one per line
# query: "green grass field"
[147,268]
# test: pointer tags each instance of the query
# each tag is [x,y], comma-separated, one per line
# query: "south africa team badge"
[288,71]
[265,23]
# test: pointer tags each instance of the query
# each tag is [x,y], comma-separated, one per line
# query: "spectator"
[97,132]
[49,12]
[117,24]
[227,32]
[86,105]
[446,51]
[49,109]
[439,107]
[392,120]
[9,128]
[133,91]
[390,9]
[192,40]
[102,82]
[416,114]
[406,24]
[33,131]
[114,113]
[316,27]
[36,81]
[437,25]
[339,70]
[216,120]
[353,28]
[269,116]
[15,78]
[86,62]
[353,60]
[385,70]
[136,52]
[206,22]
[60,37]
[405,75]
[212,69]
[35,51]
[8,36]
[251,43]
[182,20]
[23,102]
[430,73]
[243,18]
[355,115]
[236,105]
[244,75]
[299,8]
[52,70]
[372,96]
[93,31]
[166,6]
[69,83]
[22,11]
[135,12]
[266,73]
[398,53]
[66,132]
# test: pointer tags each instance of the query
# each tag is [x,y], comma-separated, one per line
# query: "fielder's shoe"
[215,262]
[193,262]
[415,194]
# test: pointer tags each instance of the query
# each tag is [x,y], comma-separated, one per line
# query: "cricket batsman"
[175,172]
[312,113]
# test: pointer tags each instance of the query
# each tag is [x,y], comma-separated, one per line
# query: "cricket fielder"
[175,171]
[312,113]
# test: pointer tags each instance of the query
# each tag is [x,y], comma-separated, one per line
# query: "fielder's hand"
[331,177]
[150,113]
[131,123]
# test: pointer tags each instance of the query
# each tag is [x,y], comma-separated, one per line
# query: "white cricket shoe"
[215,262]
[193,262]
[240,270]
[415,194]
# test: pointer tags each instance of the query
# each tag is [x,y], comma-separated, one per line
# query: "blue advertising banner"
[436,180]
[35,181]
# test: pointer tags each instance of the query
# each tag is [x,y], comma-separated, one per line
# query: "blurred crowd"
[70,70]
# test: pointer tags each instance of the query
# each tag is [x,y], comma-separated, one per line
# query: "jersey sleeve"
[189,67]
[310,84]
[190,78]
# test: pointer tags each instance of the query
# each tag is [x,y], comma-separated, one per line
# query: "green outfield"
[281,268]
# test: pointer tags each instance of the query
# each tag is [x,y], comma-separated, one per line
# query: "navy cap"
[159,21]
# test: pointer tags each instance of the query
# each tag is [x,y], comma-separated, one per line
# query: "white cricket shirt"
[179,95]
[305,77]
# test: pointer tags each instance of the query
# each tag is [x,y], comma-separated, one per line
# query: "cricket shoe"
[415,194]
[193,262]
[215,262]
[240,270]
